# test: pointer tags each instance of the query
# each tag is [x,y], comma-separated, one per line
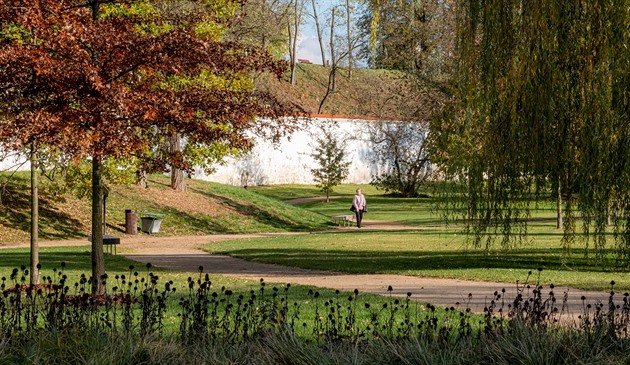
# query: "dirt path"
[182,253]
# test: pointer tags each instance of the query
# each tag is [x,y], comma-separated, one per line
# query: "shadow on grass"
[259,215]
[184,222]
[424,211]
[15,213]
[243,218]
[394,262]
[75,258]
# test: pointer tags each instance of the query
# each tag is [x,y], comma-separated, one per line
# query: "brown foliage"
[91,88]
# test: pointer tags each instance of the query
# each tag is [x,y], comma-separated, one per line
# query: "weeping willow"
[543,95]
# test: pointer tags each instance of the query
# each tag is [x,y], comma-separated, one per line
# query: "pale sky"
[308,45]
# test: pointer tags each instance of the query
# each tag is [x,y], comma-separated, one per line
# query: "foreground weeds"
[60,322]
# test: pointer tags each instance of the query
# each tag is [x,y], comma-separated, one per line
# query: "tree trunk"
[319,34]
[333,81]
[177,180]
[291,54]
[293,40]
[177,175]
[559,222]
[349,36]
[98,257]
[94,7]
[34,218]
[141,177]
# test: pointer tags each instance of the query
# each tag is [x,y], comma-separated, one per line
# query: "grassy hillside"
[206,208]
[376,93]
[213,208]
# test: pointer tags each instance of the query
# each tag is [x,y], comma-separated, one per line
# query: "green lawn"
[292,191]
[77,261]
[237,210]
[302,303]
[433,249]
[430,252]
[423,211]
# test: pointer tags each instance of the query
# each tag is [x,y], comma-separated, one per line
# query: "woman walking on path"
[358,205]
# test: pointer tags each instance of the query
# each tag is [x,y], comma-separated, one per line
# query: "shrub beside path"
[182,254]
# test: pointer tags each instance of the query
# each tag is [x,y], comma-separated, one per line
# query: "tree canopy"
[415,36]
[65,76]
[543,97]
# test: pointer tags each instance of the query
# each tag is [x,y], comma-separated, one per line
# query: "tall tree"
[349,36]
[332,80]
[543,99]
[293,29]
[96,87]
[416,36]
[320,36]
[331,87]
[262,23]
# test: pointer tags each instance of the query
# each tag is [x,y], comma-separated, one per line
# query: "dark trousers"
[359,214]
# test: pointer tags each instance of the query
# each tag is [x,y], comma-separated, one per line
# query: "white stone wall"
[290,162]
[12,162]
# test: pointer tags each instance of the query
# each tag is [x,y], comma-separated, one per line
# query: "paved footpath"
[443,292]
[182,253]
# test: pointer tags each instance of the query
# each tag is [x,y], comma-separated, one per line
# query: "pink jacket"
[359,201]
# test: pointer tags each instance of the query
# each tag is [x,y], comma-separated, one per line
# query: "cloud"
[308,48]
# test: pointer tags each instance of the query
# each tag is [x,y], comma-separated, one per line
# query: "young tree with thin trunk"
[34,216]
[330,154]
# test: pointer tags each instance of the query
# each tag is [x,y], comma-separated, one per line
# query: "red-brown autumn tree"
[95,86]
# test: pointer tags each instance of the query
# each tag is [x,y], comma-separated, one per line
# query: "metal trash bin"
[131,222]
[151,222]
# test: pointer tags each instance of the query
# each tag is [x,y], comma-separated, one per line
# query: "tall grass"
[61,322]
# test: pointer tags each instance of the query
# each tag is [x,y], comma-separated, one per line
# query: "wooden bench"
[343,219]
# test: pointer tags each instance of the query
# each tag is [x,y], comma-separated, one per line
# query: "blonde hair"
[358,190]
